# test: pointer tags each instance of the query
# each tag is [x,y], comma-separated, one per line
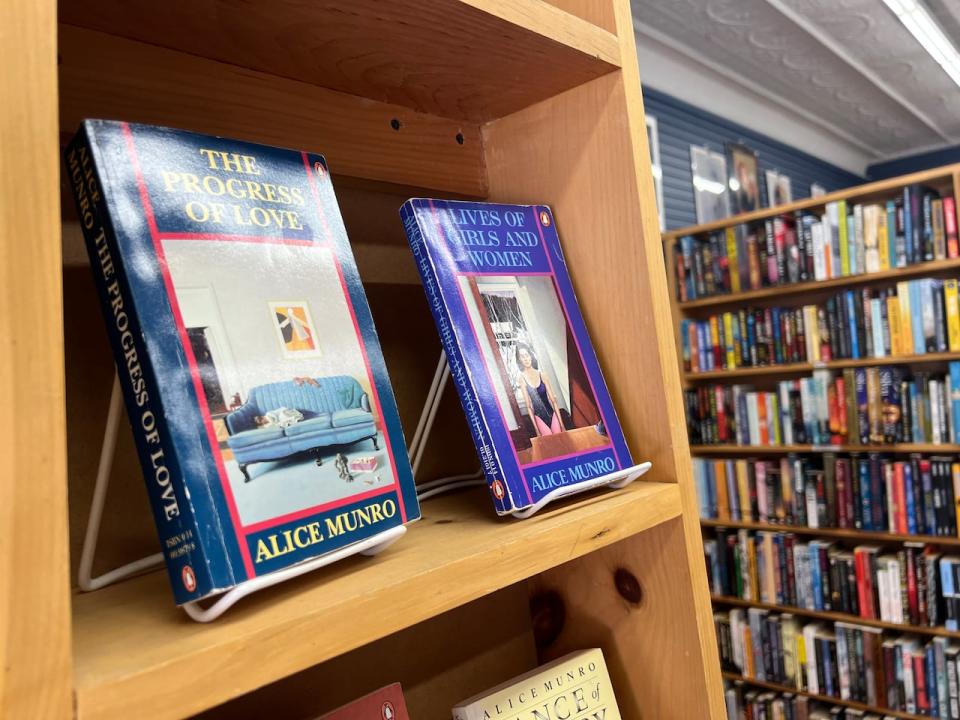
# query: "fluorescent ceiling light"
[917,19]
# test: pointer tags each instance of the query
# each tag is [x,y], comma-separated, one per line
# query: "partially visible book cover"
[528,378]
[383,704]
[254,382]
[575,686]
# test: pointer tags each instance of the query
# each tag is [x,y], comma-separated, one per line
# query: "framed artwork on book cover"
[744,178]
[709,171]
[779,190]
[295,329]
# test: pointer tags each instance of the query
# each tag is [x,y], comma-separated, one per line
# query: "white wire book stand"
[370,546]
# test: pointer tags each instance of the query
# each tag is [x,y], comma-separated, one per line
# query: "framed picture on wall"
[743,179]
[709,170]
[653,139]
[779,191]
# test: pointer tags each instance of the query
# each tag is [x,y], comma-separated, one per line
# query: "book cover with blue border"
[253,379]
[528,377]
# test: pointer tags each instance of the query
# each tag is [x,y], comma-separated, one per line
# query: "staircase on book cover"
[820,355]
[453,99]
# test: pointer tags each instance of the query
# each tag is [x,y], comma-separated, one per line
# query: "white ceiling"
[846,66]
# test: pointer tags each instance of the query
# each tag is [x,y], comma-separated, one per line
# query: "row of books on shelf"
[860,406]
[745,702]
[846,239]
[914,318]
[913,496]
[911,585]
[852,662]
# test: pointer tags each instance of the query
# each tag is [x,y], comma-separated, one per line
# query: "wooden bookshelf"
[844,533]
[807,368]
[945,180]
[836,617]
[448,98]
[932,268]
[828,699]
[944,176]
[899,448]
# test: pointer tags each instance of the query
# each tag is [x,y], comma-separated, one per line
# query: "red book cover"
[841,500]
[950,223]
[383,704]
[920,682]
[912,598]
[860,562]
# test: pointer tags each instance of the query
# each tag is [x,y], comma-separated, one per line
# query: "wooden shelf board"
[837,617]
[830,700]
[473,60]
[803,367]
[135,654]
[943,449]
[103,76]
[866,192]
[924,268]
[850,533]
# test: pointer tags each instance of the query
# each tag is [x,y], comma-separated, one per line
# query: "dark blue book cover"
[252,375]
[528,378]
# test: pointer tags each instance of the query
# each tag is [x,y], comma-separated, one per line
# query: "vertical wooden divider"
[585,153]
[35,663]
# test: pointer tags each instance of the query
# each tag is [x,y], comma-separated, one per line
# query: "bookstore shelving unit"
[945,180]
[520,101]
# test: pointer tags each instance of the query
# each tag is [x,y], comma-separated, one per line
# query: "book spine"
[189,553]
[458,369]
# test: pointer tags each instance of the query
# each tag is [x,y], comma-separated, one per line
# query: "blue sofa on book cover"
[336,411]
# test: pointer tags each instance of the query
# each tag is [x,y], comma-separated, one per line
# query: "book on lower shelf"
[575,686]
[252,375]
[910,318]
[529,380]
[861,491]
[915,225]
[387,703]
[865,406]
[851,662]
[909,584]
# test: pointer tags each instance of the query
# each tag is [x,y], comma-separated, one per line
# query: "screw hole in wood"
[628,586]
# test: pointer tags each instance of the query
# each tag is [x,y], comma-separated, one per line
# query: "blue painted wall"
[681,125]
[914,163]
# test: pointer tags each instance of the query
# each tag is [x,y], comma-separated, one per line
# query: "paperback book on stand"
[384,704]
[254,383]
[575,686]
[528,378]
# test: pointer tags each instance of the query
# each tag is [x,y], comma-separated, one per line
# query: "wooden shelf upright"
[524,101]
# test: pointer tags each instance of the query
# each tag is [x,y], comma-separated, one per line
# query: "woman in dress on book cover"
[538,394]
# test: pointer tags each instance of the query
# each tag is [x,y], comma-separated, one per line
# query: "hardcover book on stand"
[253,379]
[528,378]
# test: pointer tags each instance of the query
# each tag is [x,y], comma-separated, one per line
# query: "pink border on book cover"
[241,531]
